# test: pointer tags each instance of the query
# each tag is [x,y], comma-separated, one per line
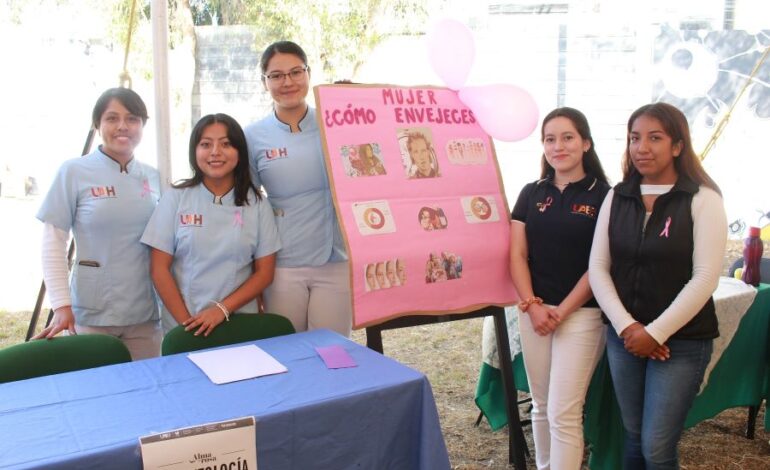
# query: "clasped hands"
[641,344]
[544,320]
[635,337]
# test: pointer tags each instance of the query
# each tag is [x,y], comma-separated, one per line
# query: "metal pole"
[159,13]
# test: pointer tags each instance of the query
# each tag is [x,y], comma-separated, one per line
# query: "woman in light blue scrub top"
[312,280]
[105,199]
[213,236]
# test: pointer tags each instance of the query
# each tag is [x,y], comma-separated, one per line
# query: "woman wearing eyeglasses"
[311,284]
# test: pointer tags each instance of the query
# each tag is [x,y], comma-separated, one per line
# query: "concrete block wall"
[228,77]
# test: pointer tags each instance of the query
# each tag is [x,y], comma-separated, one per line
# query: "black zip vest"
[652,264]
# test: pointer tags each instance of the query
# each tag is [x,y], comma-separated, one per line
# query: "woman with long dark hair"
[562,334]
[213,237]
[655,262]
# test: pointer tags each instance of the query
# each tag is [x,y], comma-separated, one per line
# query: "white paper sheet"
[238,363]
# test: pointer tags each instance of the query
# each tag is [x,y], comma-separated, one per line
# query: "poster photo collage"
[409,186]
[418,159]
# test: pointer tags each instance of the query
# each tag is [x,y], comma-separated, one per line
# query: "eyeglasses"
[295,74]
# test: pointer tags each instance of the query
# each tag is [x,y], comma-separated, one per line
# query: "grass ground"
[13,327]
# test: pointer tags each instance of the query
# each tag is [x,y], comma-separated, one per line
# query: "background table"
[379,415]
[739,377]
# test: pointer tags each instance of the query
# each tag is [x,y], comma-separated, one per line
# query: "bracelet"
[223,309]
[524,304]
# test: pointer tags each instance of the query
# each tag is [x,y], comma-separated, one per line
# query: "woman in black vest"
[562,333]
[656,260]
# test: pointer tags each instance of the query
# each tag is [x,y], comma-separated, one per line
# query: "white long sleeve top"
[55,269]
[709,236]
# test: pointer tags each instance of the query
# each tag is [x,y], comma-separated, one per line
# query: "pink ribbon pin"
[238,219]
[542,206]
[145,188]
[664,232]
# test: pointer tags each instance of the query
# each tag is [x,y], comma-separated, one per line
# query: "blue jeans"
[655,397]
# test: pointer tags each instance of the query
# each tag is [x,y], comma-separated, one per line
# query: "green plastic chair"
[241,328]
[61,354]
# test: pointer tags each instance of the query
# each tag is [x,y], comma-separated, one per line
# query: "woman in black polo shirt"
[562,333]
[655,262]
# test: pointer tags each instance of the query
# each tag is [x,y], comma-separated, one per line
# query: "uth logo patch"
[191,220]
[103,191]
[274,154]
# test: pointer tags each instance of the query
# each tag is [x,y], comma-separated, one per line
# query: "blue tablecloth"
[379,415]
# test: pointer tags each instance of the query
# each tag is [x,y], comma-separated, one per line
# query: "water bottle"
[752,257]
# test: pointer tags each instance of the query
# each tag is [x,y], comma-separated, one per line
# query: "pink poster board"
[421,203]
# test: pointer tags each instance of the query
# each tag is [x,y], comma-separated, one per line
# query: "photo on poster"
[362,160]
[370,276]
[384,274]
[401,271]
[442,267]
[432,218]
[480,209]
[382,278]
[466,152]
[373,217]
[418,153]
[391,273]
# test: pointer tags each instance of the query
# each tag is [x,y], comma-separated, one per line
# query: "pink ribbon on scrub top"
[664,232]
[145,188]
[238,220]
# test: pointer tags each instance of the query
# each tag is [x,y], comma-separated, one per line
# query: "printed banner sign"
[420,199]
[228,444]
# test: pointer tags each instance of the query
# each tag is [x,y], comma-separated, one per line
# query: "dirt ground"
[450,355]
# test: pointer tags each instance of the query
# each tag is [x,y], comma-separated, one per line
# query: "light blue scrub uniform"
[107,211]
[292,170]
[214,245]
[312,282]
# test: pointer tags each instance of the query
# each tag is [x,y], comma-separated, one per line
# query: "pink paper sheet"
[335,357]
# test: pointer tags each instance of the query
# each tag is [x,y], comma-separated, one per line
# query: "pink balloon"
[451,51]
[506,112]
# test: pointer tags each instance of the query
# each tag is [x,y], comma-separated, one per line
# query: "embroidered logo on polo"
[103,191]
[584,209]
[274,154]
[191,220]
[542,206]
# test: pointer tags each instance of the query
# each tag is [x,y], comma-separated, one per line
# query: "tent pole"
[159,14]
